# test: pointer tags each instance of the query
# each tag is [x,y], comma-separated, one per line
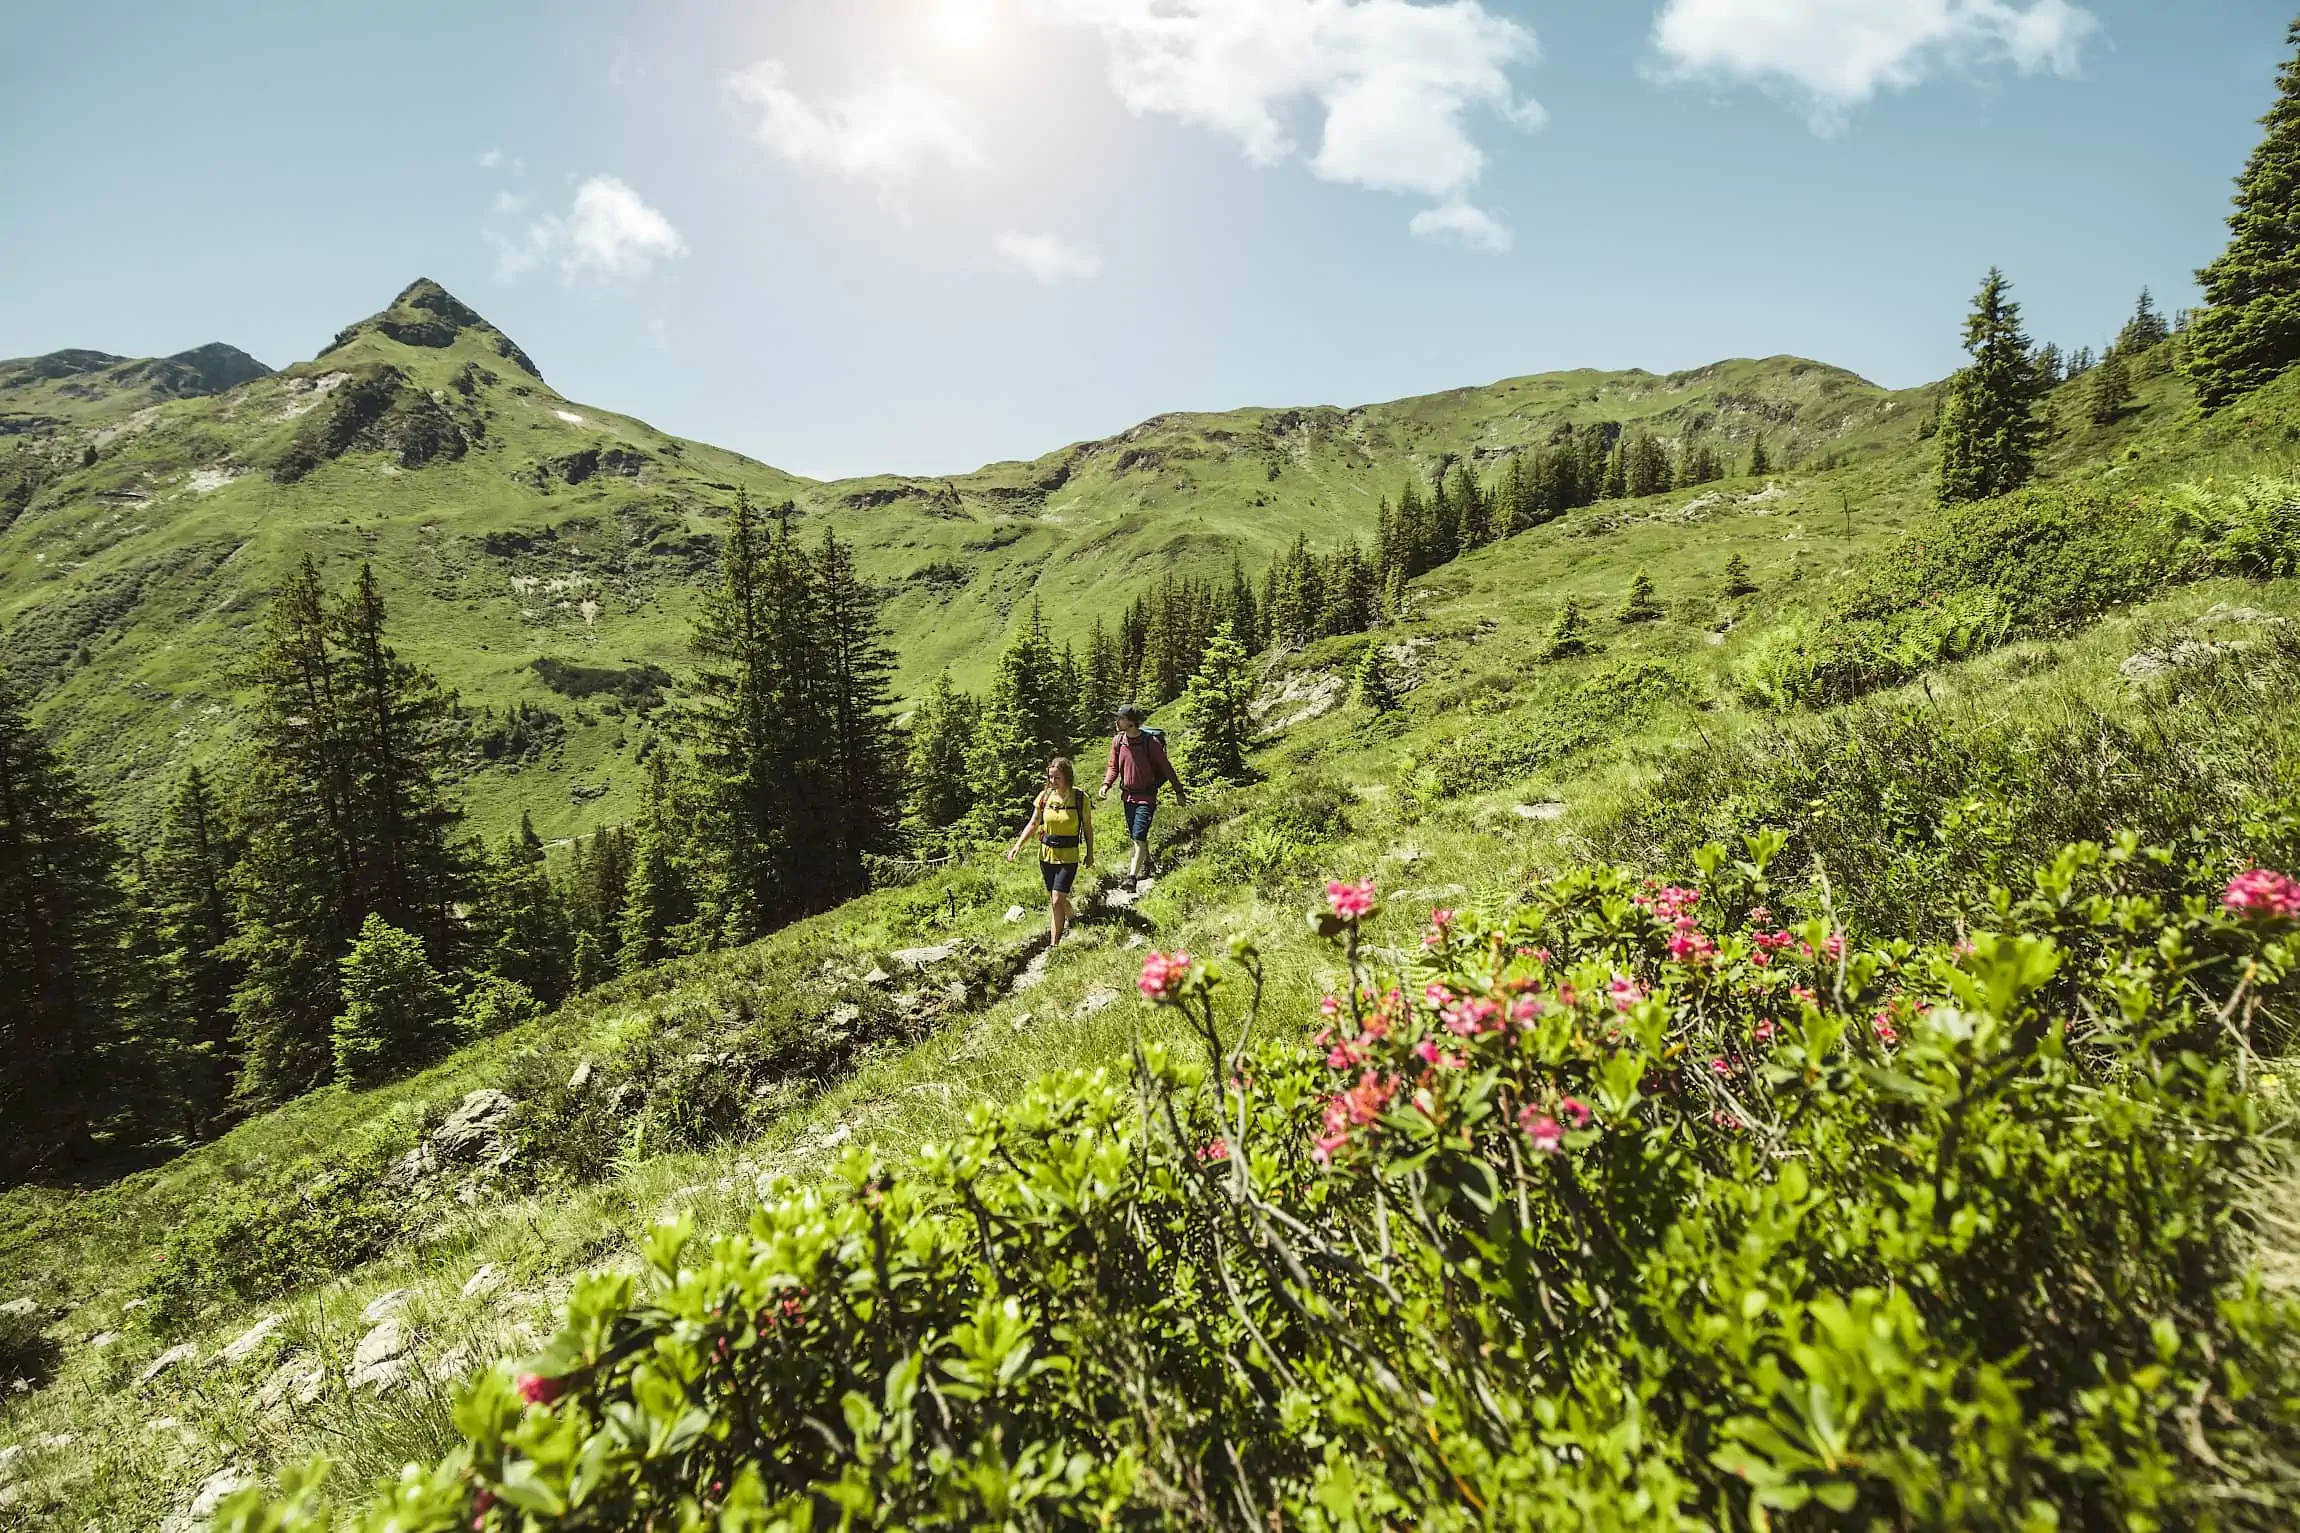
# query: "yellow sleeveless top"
[1060,830]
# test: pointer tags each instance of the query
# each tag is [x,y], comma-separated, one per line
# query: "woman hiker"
[1140,767]
[1065,841]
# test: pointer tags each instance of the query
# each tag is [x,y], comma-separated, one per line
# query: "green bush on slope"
[1628,1209]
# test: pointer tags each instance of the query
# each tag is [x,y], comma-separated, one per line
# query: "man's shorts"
[1138,817]
[1059,876]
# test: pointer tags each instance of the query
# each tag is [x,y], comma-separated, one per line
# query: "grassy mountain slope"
[542,553]
[685,1087]
[86,388]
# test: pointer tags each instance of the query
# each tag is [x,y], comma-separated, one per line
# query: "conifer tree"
[2146,328]
[394,1005]
[1569,634]
[591,967]
[519,927]
[1102,688]
[1245,622]
[659,905]
[2108,391]
[189,878]
[1738,581]
[1641,605]
[1394,598]
[867,749]
[1616,482]
[2249,330]
[65,983]
[392,723]
[941,736]
[1019,729]
[1989,430]
[2051,367]
[1376,693]
[597,883]
[1760,462]
[348,820]
[1217,709]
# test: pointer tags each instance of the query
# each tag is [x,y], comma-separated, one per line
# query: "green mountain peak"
[427,315]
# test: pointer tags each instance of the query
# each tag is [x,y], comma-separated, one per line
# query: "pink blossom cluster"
[1352,902]
[1472,1017]
[1441,925]
[1348,1053]
[2262,892]
[1670,904]
[540,1389]
[1347,1111]
[1547,1135]
[1769,943]
[1162,975]
[1215,1150]
[1625,990]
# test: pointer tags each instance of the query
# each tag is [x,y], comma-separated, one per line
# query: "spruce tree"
[2146,328]
[1738,581]
[519,926]
[1760,462]
[349,821]
[2249,330]
[2108,392]
[189,877]
[1640,605]
[1019,728]
[1569,634]
[1375,691]
[394,1006]
[591,966]
[1217,710]
[867,750]
[1989,430]
[941,734]
[659,901]
[65,984]
[393,724]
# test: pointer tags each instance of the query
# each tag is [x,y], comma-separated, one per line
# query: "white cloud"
[1048,257]
[887,133]
[608,231]
[1395,82]
[490,159]
[1838,54]
[1473,227]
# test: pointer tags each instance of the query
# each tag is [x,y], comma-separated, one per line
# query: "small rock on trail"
[183,1352]
[244,1346]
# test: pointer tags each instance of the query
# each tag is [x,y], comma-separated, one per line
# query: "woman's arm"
[1037,806]
[1085,829]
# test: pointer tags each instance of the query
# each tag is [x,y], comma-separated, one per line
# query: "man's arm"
[1110,774]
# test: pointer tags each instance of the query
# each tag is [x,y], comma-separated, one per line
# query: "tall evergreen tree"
[1989,430]
[1738,580]
[2249,331]
[1104,685]
[867,748]
[1020,728]
[1217,710]
[519,926]
[1641,605]
[190,880]
[941,736]
[659,903]
[64,980]
[348,821]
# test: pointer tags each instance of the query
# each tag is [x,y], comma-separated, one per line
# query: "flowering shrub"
[1576,1221]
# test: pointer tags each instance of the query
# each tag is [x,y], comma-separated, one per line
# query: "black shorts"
[1059,876]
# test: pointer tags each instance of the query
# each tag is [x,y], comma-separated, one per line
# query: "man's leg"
[1141,859]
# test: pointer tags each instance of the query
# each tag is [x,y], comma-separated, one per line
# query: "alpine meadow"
[1720,949]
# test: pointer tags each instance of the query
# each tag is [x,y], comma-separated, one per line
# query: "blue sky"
[854,236]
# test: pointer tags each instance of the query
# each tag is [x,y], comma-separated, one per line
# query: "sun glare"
[963,23]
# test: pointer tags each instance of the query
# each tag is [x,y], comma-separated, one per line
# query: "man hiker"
[1140,767]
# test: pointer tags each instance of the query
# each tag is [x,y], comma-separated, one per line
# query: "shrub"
[1629,1209]
[256,1239]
